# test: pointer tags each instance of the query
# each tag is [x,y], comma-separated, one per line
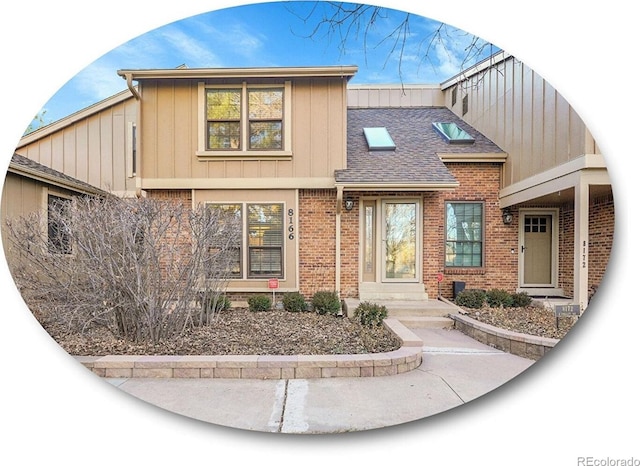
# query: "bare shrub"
[145,269]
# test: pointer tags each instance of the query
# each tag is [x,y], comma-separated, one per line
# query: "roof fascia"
[53,180]
[267,72]
[485,64]
[398,186]
[488,157]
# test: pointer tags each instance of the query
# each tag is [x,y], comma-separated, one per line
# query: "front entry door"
[537,250]
[399,241]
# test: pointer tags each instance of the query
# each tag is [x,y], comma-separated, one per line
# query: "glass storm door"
[399,241]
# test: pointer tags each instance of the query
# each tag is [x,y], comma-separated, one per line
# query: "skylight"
[379,139]
[452,133]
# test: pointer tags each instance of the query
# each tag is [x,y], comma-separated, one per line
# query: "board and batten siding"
[93,148]
[524,115]
[169,140]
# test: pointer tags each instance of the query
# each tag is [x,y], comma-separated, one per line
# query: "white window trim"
[286,150]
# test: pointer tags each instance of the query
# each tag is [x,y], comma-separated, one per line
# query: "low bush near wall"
[294,302]
[370,315]
[259,303]
[326,302]
[499,298]
[473,299]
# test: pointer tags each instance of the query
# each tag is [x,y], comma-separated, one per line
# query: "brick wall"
[602,222]
[317,239]
[478,182]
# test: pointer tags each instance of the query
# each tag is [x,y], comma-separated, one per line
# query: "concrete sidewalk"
[455,369]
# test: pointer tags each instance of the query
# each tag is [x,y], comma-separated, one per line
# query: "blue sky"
[266,34]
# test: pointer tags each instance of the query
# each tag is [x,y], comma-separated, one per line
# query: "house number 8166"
[291,227]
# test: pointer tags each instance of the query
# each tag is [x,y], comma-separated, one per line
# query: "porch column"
[581,234]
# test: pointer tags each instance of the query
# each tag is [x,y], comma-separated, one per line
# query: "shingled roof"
[416,159]
[24,166]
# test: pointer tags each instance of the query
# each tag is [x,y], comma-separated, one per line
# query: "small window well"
[453,134]
[379,139]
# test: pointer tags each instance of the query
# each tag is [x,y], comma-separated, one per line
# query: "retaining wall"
[404,359]
[520,344]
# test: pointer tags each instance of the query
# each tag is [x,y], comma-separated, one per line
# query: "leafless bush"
[144,269]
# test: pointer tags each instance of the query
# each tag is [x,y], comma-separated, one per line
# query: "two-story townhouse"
[377,192]
[353,198]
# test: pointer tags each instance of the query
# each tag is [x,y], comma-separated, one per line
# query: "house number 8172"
[291,227]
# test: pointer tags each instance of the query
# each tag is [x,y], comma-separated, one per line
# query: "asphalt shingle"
[415,159]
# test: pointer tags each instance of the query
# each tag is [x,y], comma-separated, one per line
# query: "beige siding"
[169,139]
[395,96]
[91,148]
[525,116]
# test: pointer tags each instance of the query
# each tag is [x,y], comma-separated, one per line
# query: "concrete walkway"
[455,369]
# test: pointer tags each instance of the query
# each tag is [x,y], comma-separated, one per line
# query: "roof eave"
[487,157]
[397,186]
[264,72]
[37,175]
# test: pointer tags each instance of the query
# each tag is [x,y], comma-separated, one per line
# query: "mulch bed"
[241,332]
[531,320]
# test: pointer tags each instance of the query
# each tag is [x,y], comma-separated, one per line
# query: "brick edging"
[520,344]
[404,359]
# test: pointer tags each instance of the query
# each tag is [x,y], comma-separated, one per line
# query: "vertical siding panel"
[119,144]
[183,128]
[537,117]
[44,152]
[149,131]
[166,102]
[57,151]
[106,150]
[268,168]
[82,151]
[319,135]
[336,127]
[301,112]
[562,130]
[69,152]
[526,143]
[232,169]
[93,148]
[550,157]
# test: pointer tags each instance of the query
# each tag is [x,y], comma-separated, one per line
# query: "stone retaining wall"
[404,359]
[520,344]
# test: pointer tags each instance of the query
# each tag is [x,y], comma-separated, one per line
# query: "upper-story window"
[251,120]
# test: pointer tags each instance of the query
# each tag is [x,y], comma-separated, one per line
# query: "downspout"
[338,228]
[129,78]
[130,85]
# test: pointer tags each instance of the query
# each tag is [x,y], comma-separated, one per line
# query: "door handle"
[522,248]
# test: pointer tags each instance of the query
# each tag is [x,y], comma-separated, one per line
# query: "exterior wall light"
[507,216]
[348,204]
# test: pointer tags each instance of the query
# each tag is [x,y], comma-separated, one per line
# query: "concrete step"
[403,308]
[425,322]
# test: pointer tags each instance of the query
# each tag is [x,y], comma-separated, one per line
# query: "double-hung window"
[464,229]
[249,120]
[261,252]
